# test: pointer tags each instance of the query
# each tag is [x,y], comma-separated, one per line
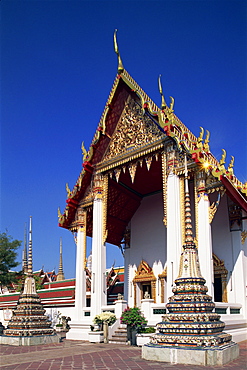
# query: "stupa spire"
[24,256]
[29,320]
[30,251]
[189,262]
[60,275]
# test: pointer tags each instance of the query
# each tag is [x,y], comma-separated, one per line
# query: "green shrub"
[133,317]
[147,330]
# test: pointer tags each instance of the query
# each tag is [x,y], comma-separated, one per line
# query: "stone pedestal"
[29,340]
[78,331]
[120,306]
[146,307]
[191,356]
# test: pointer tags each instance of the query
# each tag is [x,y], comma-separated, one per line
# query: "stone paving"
[70,355]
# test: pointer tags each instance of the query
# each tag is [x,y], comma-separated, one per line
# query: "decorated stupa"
[29,325]
[190,333]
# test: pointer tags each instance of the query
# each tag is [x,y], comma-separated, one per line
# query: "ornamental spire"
[163,102]
[120,64]
[30,251]
[24,255]
[60,275]
[189,261]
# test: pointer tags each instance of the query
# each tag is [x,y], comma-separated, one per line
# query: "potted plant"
[134,320]
[59,325]
[103,320]
[62,324]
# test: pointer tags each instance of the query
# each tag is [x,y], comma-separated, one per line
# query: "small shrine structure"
[29,325]
[130,193]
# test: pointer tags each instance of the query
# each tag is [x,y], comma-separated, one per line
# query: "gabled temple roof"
[167,125]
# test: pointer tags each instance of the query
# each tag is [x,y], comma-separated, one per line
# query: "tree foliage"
[8,254]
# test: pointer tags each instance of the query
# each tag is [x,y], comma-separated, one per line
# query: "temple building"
[130,193]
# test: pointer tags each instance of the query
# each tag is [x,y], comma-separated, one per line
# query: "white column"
[239,271]
[205,243]
[98,283]
[80,282]
[80,325]
[174,238]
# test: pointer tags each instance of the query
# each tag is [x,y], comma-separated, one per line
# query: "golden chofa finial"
[120,64]
[84,152]
[200,138]
[59,214]
[171,105]
[163,102]
[206,146]
[68,190]
[230,167]
[223,158]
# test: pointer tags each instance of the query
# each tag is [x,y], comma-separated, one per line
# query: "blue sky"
[57,69]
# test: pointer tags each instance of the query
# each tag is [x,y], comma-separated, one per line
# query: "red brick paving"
[73,355]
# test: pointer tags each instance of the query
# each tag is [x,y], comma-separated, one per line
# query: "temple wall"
[148,241]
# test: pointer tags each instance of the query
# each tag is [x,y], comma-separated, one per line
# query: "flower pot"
[143,338]
[131,335]
[59,328]
[96,336]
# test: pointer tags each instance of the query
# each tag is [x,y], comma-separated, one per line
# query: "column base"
[191,356]
[78,330]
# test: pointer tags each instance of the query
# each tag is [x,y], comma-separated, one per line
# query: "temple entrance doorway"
[217,288]
[220,280]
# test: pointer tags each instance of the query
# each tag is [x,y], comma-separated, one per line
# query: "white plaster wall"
[148,241]
[227,246]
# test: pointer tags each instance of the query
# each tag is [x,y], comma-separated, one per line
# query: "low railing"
[225,308]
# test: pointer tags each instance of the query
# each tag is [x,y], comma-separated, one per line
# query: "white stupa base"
[33,340]
[78,331]
[191,356]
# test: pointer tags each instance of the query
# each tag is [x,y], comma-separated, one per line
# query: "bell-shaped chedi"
[29,325]
[190,323]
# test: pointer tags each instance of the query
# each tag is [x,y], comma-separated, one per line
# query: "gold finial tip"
[120,64]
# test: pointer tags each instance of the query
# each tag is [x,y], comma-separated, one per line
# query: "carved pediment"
[219,266]
[144,273]
[134,130]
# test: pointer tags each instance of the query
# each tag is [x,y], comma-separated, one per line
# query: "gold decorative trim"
[83,227]
[211,211]
[98,186]
[196,211]
[164,181]
[105,197]
[243,236]
[182,209]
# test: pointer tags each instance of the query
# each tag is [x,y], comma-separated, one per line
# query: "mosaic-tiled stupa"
[190,323]
[29,325]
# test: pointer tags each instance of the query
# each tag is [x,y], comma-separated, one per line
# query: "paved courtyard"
[69,355]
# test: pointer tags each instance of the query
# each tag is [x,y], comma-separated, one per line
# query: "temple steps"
[119,336]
